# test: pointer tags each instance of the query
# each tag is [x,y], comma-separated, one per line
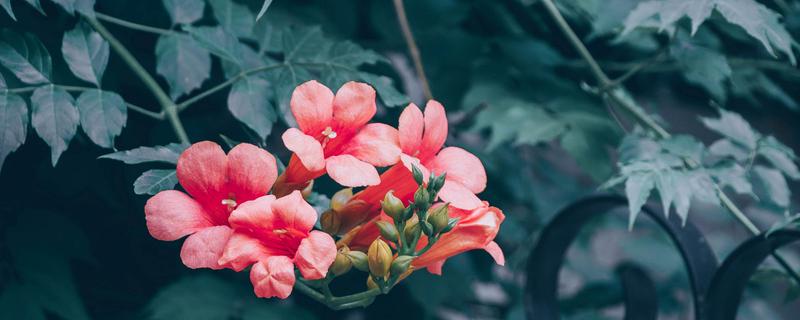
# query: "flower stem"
[133,25]
[169,108]
[131,106]
[360,299]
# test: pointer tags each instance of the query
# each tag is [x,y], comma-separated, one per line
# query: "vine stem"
[620,97]
[412,47]
[360,299]
[186,103]
[133,25]
[131,106]
[168,107]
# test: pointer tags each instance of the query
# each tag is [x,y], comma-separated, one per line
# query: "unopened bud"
[359,260]
[371,283]
[392,206]
[439,218]
[379,258]
[435,184]
[417,175]
[422,199]
[401,264]
[342,263]
[340,199]
[412,229]
[388,230]
[308,189]
[330,222]
[427,228]
[451,223]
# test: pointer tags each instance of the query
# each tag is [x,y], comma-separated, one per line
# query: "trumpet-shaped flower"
[274,235]
[216,184]
[333,136]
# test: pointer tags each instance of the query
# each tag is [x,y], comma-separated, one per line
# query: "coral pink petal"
[435,129]
[436,267]
[308,149]
[353,106]
[204,248]
[497,254]
[312,107]
[242,251]
[293,212]
[461,166]
[348,171]
[202,171]
[375,144]
[254,214]
[410,127]
[409,162]
[251,172]
[458,196]
[315,255]
[273,277]
[172,214]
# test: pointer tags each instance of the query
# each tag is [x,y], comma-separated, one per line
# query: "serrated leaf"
[780,156]
[85,7]
[759,22]
[750,83]
[285,80]
[248,102]
[773,186]
[184,11]
[637,190]
[54,117]
[6,4]
[182,62]
[103,115]
[732,175]
[684,146]
[303,44]
[726,148]
[390,96]
[168,153]
[154,181]
[25,56]
[217,41]
[86,53]
[36,4]
[67,5]
[264,8]
[734,127]
[703,66]
[13,123]
[233,17]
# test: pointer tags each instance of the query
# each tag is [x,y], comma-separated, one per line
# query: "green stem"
[131,106]
[186,103]
[133,25]
[168,107]
[359,299]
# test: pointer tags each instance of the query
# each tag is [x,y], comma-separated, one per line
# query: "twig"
[133,25]
[412,47]
[186,103]
[169,108]
[620,97]
[152,114]
[672,66]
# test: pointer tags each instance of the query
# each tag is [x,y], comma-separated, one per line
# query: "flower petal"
[348,171]
[292,211]
[241,251]
[202,172]
[436,267]
[251,172]
[497,254]
[435,129]
[474,231]
[312,107]
[253,215]
[204,248]
[410,127]
[172,214]
[353,106]
[273,277]
[461,166]
[306,148]
[375,144]
[458,195]
[315,255]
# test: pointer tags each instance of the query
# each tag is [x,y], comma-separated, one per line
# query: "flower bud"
[417,175]
[400,264]
[392,206]
[330,222]
[427,228]
[379,258]
[371,283]
[436,182]
[359,260]
[388,230]
[340,199]
[439,218]
[451,223]
[342,263]
[308,189]
[412,229]
[422,199]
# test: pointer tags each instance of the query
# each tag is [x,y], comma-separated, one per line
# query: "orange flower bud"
[379,258]
[330,222]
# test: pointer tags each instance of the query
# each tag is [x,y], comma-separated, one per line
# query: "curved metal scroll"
[731,279]
[548,256]
[639,292]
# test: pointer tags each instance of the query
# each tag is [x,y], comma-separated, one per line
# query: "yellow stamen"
[329,133]
[280,231]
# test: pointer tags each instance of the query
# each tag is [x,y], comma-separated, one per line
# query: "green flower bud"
[359,260]
[439,218]
[379,258]
[412,229]
[435,183]
[388,230]
[392,206]
[427,228]
[342,263]
[417,175]
[401,264]
[451,223]
[422,199]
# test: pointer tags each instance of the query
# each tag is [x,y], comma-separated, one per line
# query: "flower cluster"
[239,213]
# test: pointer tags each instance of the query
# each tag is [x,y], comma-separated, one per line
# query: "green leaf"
[702,66]
[726,148]
[25,56]
[732,175]
[734,127]
[168,154]
[780,156]
[55,118]
[389,95]
[103,115]
[684,146]
[154,181]
[637,190]
[85,7]
[248,102]
[182,62]
[184,11]
[86,53]
[751,83]
[6,4]
[233,17]
[759,22]
[772,186]
[264,8]
[13,123]
[67,5]
[217,41]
